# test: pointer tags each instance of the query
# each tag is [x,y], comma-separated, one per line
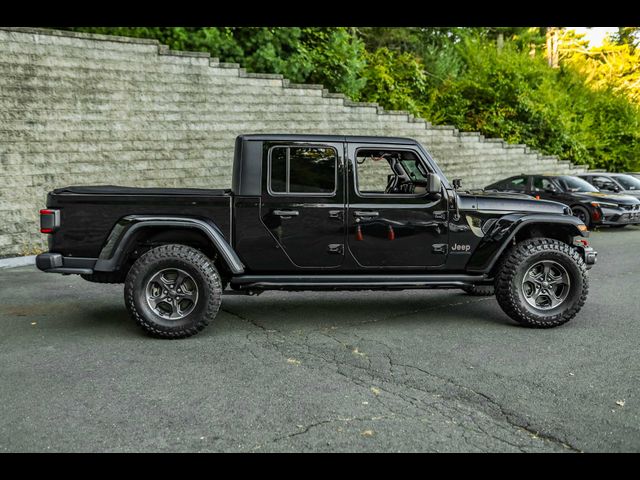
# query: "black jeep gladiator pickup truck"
[313,212]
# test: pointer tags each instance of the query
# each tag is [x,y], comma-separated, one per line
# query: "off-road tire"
[106,277]
[513,267]
[202,271]
[480,290]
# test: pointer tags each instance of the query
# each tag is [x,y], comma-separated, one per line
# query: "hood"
[618,199]
[631,193]
[508,203]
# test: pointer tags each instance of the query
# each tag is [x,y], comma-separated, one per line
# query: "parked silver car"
[614,182]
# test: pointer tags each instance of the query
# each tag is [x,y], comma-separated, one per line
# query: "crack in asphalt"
[510,417]
[419,404]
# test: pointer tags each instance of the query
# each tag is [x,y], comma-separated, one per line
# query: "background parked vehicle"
[586,201]
[614,182]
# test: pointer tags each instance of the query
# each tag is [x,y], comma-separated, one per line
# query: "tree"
[627,36]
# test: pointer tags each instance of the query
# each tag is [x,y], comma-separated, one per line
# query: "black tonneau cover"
[116,190]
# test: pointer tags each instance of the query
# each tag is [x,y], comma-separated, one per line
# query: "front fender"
[504,229]
[125,230]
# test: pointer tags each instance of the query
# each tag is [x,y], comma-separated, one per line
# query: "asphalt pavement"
[420,370]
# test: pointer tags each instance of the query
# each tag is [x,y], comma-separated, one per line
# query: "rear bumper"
[56,263]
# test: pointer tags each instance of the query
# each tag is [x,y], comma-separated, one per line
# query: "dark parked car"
[586,201]
[310,212]
[614,183]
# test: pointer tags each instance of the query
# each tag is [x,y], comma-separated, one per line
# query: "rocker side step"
[354,282]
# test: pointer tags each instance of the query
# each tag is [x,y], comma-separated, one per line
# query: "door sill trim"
[354,282]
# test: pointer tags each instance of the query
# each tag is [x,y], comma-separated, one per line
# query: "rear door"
[303,201]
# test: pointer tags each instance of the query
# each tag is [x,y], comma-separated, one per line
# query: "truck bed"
[89,213]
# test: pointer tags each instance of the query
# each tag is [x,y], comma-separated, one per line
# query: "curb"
[17,261]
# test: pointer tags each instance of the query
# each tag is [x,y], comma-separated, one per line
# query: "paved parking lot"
[371,371]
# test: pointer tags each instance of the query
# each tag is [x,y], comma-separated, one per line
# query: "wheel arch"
[583,206]
[142,231]
[513,229]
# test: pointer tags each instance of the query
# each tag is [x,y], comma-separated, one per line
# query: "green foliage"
[395,80]
[338,59]
[520,99]
[587,111]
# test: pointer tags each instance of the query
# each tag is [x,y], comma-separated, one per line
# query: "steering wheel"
[406,187]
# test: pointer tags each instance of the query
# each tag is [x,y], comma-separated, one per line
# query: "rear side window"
[303,170]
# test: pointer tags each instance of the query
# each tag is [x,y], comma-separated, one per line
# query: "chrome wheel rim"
[172,293]
[546,285]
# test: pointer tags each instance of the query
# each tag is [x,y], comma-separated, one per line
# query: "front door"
[303,202]
[392,222]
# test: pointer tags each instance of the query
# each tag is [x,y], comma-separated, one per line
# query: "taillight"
[49,220]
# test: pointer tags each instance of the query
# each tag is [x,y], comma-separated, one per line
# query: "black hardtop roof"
[327,138]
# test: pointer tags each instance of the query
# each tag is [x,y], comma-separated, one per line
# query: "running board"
[353,282]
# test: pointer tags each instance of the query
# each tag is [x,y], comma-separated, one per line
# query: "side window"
[304,170]
[518,184]
[389,172]
[541,184]
[603,183]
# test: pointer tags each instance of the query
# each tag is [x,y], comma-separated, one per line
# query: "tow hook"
[589,255]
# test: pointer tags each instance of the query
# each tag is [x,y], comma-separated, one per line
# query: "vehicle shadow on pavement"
[304,311]
[300,310]
[291,310]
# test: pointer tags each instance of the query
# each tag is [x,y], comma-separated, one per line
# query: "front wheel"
[173,291]
[542,283]
[583,214]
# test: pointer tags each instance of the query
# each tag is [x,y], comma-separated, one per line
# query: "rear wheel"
[173,291]
[542,283]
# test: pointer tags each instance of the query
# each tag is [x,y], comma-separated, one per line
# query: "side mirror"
[457,183]
[435,184]
[550,190]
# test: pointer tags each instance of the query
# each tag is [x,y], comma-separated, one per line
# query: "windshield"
[575,184]
[628,182]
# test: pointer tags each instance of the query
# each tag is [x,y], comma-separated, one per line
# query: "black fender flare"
[113,251]
[505,228]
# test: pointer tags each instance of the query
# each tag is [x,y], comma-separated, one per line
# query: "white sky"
[595,35]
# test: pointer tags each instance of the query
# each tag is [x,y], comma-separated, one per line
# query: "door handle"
[360,213]
[286,213]
[335,214]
